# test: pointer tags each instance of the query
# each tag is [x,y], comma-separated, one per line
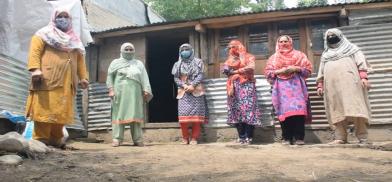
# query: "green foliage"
[173,10]
[262,5]
[193,9]
[307,3]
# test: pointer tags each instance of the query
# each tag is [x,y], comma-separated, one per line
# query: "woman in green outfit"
[129,89]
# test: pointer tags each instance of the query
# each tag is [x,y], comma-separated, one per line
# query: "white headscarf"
[343,48]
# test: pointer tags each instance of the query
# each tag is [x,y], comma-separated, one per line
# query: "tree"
[192,9]
[262,5]
[307,3]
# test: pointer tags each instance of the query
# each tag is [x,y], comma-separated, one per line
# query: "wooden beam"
[146,29]
[252,21]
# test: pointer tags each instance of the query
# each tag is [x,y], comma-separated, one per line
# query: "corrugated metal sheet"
[364,17]
[376,43]
[237,14]
[98,116]
[78,123]
[216,96]
[99,103]
[13,84]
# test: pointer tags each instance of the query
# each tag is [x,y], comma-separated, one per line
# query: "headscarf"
[191,67]
[121,62]
[65,41]
[343,48]
[282,58]
[238,51]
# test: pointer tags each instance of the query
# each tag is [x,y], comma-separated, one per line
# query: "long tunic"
[192,107]
[128,82]
[344,96]
[290,96]
[53,101]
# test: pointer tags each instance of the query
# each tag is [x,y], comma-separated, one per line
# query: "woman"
[56,62]
[192,109]
[243,111]
[129,88]
[342,78]
[287,70]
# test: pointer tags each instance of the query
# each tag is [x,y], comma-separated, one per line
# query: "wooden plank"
[136,30]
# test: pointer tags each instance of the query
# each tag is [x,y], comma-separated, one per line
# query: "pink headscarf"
[287,56]
[65,41]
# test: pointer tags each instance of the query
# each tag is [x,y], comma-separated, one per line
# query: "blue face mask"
[185,54]
[62,23]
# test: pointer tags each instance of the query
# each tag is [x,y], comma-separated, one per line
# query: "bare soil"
[205,162]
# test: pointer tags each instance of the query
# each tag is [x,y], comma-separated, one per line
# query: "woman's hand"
[189,89]
[145,95]
[320,92]
[280,71]
[84,83]
[36,76]
[365,83]
[111,93]
[293,69]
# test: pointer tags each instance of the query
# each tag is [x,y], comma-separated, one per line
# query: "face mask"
[186,54]
[62,23]
[127,55]
[234,52]
[333,39]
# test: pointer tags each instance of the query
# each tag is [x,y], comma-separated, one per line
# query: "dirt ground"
[205,162]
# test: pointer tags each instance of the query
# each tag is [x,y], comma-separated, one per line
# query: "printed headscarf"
[342,49]
[191,67]
[282,58]
[238,58]
[54,37]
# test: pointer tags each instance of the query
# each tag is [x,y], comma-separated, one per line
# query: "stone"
[10,159]
[13,142]
[36,146]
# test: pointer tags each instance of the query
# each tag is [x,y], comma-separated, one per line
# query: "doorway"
[161,56]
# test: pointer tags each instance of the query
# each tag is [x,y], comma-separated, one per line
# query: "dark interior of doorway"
[161,55]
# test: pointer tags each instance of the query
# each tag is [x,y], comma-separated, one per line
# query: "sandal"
[193,142]
[115,143]
[185,142]
[337,142]
[299,142]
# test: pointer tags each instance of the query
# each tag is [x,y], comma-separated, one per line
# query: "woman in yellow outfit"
[56,62]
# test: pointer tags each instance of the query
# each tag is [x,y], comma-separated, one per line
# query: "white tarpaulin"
[20,19]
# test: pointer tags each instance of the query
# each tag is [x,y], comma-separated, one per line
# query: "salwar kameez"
[342,76]
[289,91]
[243,112]
[128,81]
[192,107]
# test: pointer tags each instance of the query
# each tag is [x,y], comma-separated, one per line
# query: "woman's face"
[63,21]
[284,43]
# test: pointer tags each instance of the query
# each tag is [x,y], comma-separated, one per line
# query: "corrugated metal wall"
[99,103]
[98,116]
[14,79]
[376,42]
[216,96]
[13,84]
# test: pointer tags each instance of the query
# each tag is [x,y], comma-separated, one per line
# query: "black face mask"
[333,39]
